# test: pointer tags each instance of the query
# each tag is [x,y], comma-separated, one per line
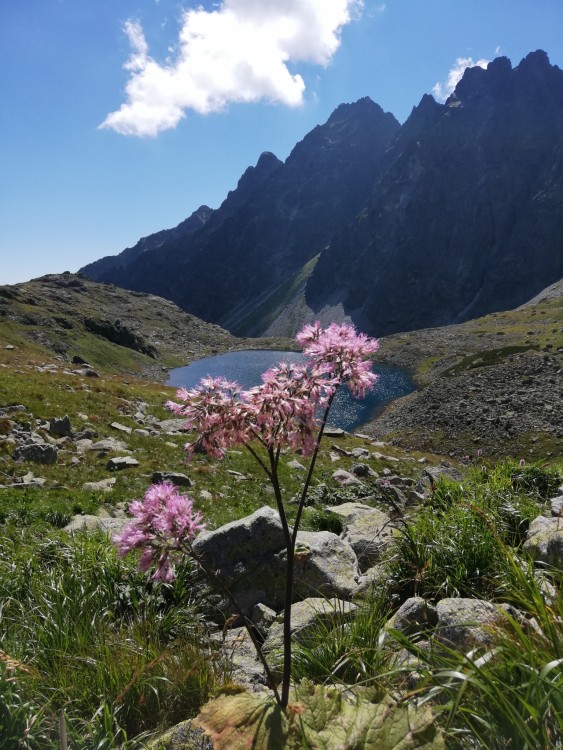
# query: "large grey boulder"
[325,565]
[544,540]
[243,553]
[466,623]
[250,557]
[305,616]
[369,533]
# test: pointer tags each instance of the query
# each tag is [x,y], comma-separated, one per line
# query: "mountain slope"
[466,218]
[280,216]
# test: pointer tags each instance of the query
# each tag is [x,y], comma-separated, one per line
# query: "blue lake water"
[246,368]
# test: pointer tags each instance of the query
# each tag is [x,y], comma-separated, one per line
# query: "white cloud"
[238,52]
[442,90]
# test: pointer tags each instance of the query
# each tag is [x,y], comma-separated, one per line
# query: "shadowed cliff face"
[467,216]
[279,217]
[455,214]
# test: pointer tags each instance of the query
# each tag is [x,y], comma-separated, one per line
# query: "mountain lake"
[246,367]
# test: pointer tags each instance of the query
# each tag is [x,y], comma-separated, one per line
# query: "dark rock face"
[280,217]
[118,333]
[455,214]
[464,220]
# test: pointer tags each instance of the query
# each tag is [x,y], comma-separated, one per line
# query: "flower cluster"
[217,412]
[163,523]
[281,410]
[283,407]
[343,352]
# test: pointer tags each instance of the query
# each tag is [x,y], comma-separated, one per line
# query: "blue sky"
[118,118]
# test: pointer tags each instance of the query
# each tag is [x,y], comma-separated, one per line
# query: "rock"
[248,670]
[262,617]
[109,444]
[172,426]
[363,470]
[181,737]
[375,581]
[347,510]
[305,615]
[414,615]
[368,532]
[141,433]
[544,540]
[205,495]
[557,506]
[360,453]
[121,428]
[88,433]
[333,432]
[430,476]
[60,426]
[94,523]
[121,462]
[180,480]
[345,477]
[296,466]
[325,564]
[250,556]
[466,623]
[243,554]
[104,485]
[37,453]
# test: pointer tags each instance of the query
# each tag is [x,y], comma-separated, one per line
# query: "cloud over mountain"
[240,52]
[442,90]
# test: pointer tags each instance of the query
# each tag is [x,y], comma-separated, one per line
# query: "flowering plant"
[280,412]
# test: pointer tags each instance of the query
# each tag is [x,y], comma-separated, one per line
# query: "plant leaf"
[321,720]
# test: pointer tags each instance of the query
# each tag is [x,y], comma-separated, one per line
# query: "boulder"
[413,616]
[345,477]
[37,453]
[121,428]
[94,523]
[544,540]
[104,485]
[325,565]
[373,582]
[368,532]
[109,444]
[177,478]
[60,426]
[250,556]
[305,615]
[466,623]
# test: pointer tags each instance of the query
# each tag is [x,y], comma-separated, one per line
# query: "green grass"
[91,634]
[456,545]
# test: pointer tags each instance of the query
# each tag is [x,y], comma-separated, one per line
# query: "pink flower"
[162,524]
[281,410]
[343,352]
